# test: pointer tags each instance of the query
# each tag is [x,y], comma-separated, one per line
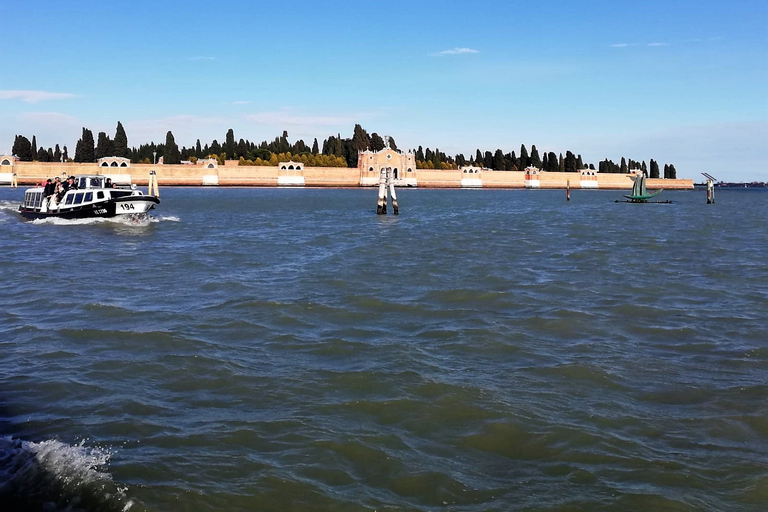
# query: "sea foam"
[53,475]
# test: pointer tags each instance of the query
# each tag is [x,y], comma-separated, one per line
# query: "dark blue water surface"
[288,349]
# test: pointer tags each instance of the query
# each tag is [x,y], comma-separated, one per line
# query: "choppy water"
[283,349]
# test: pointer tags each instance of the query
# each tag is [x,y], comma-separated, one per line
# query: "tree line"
[335,151]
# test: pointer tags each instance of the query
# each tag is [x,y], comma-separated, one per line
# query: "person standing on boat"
[50,187]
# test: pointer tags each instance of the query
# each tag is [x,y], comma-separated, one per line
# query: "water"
[284,349]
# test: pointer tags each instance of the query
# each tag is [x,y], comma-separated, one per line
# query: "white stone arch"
[103,164]
[5,160]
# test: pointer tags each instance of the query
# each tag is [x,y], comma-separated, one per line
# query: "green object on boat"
[639,193]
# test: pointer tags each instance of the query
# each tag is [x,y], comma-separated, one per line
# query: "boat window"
[82,182]
[79,198]
[88,197]
[99,195]
[69,198]
[95,182]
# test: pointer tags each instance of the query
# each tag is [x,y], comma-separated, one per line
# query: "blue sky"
[683,82]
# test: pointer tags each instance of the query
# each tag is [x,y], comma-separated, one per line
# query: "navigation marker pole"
[381,208]
[392,191]
[568,190]
[710,188]
[153,184]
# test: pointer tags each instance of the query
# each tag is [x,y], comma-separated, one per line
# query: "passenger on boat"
[108,183]
[49,188]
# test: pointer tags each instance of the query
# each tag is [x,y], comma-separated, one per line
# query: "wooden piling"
[381,208]
[394,197]
[153,184]
[568,190]
[710,192]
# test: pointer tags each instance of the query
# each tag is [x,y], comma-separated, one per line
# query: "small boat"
[639,193]
[89,196]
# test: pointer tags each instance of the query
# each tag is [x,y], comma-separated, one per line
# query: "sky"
[678,81]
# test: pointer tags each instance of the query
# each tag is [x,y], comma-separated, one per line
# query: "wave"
[125,220]
[33,476]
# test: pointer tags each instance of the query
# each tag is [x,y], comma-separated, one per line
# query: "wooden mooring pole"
[381,208]
[568,190]
[710,188]
[386,184]
[153,184]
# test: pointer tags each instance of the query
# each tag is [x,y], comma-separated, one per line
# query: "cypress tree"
[525,160]
[171,154]
[64,154]
[561,164]
[22,148]
[57,154]
[672,172]
[315,148]
[553,162]
[360,139]
[101,145]
[120,143]
[499,163]
[392,143]
[624,168]
[377,143]
[488,160]
[654,169]
[84,152]
[570,162]
[535,160]
[198,150]
[229,144]
[34,146]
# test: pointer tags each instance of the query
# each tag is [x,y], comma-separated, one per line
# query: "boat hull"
[129,205]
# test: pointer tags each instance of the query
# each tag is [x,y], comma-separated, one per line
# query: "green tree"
[171,154]
[361,141]
[315,148]
[377,143]
[84,151]
[535,159]
[672,172]
[552,162]
[654,169]
[120,142]
[22,148]
[392,143]
[525,160]
[570,162]
[103,146]
[34,146]
[229,144]
[57,154]
[499,162]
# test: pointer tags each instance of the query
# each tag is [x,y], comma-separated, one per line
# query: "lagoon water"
[288,349]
